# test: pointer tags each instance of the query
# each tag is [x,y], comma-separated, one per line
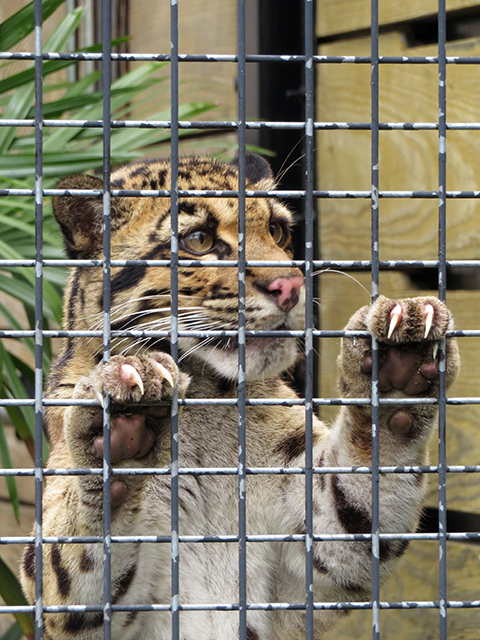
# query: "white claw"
[99,396]
[130,374]
[435,349]
[165,373]
[395,317]
[428,314]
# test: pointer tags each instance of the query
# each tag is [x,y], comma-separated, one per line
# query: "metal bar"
[421,195]
[231,125]
[442,285]
[106,222]
[431,537]
[241,393]
[211,57]
[309,39]
[174,155]
[375,348]
[38,322]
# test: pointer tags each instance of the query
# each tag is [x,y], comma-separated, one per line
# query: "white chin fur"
[265,357]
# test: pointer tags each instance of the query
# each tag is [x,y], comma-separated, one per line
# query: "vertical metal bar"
[38,321]
[309,234]
[174,315]
[242,525]
[375,292]
[442,282]
[107,469]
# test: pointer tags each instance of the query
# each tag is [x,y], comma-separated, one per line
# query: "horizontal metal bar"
[233,471]
[210,57]
[190,193]
[214,539]
[233,125]
[252,402]
[268,606]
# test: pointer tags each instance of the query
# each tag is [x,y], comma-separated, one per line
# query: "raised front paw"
[137,430]
[408,332]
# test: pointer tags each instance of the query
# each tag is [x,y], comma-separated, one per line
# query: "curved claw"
[131,375]
[99,396]
[428,314]
[395,317]
[165,373]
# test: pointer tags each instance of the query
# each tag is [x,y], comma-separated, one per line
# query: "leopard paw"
[408,332]
[137,430]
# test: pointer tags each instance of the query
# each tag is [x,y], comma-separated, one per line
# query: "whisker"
[343,273]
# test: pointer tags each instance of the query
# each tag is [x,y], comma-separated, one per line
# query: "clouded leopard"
[142,370]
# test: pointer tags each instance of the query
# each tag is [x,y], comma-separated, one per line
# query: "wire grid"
[374,265]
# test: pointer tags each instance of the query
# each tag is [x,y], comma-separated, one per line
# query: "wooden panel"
[416,577]
[205,26]
[408,159]
[344,16]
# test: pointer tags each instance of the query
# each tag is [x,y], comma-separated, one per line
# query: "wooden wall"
[408,230]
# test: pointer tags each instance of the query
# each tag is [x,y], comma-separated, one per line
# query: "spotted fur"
[208,368]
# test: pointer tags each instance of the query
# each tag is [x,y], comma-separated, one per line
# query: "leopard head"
[207,231]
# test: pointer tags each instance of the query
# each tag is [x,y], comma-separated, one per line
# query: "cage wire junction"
[309,195]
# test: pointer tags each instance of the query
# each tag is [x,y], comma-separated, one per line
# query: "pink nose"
[285,291]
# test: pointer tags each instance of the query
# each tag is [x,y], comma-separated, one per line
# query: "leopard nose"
[285,291]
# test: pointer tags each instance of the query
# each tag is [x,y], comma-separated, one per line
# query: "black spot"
[153,184]
[189,491]
[251,634]
[161,176]
[319,565]
[294,444]
[118,183]
[131,617]
[87,563]
[353,519]
[29,561]
[139,171]
[153,237]
[190,291]
[160,220]
[73,295]
[129,277]
[124,583]
[321,476]
[76,622]
[187,207]
[63,577]
[226,386]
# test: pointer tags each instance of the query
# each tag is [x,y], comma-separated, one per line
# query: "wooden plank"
[408,159]
[336,17]
[416,577]
[205,26]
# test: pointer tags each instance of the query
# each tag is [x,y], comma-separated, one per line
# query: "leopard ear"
[80,217]
[256,168]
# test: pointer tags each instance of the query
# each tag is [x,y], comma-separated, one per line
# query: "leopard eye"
[199,242]
[277,231]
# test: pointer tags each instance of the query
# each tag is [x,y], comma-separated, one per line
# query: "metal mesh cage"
[309,128]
